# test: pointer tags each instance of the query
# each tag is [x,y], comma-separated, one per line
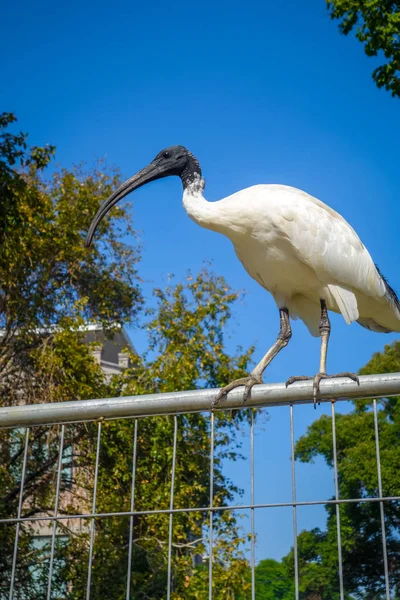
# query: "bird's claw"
[247,382]
[317,379]
[297,378]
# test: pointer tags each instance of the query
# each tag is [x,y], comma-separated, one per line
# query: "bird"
[304,253]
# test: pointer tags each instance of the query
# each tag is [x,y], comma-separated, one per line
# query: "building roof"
[110,346]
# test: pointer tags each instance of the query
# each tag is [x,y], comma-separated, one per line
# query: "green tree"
[361,534]
[273,581]
[46,274]
[377,26]
[50,285]
[186,350]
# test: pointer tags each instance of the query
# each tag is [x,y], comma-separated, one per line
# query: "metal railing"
[273,395]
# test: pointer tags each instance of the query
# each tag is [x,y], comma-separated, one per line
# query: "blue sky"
[261,92]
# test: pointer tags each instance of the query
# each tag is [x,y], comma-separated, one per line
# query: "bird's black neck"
[191,172]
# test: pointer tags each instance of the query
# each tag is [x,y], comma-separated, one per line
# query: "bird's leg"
[325,331]
[285,333]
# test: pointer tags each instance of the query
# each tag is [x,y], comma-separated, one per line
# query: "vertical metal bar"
[128,579]
[21,490]
[253,544]
[210,550]
[296,558]
[92,523]
[53,537]
[171,506]
[382,510]
[335,470]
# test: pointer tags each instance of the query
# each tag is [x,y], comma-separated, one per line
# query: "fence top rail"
[171,403]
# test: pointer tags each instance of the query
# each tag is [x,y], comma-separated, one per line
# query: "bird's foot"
[247,382]
[317,379]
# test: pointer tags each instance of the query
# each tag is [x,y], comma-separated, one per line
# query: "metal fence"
[273,395]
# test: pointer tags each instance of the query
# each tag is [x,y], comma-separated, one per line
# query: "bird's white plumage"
[300,250]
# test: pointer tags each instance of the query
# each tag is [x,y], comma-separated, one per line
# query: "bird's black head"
[175,160]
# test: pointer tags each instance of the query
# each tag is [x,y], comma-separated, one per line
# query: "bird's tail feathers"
[372,325]
[308,312]
[390,295]
[346,301]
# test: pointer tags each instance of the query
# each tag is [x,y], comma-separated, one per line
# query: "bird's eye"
[166,154]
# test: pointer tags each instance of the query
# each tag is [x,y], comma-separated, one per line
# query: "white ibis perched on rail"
[295,246]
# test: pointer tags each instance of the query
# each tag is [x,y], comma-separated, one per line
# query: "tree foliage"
[360,522]
[273,581]
[377,26]
[46,274]
[357,472]
[186,350]
[50,286]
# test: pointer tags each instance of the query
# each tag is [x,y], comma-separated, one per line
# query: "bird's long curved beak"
[149,173]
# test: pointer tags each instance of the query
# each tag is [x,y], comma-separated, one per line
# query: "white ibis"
[295,246]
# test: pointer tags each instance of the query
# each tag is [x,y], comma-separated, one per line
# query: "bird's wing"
[324,241]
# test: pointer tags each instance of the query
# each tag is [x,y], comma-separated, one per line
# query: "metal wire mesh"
[36,414]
